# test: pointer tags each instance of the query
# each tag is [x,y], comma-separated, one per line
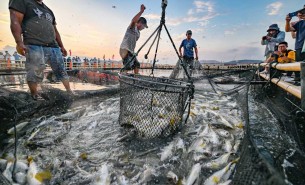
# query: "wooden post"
[303,85]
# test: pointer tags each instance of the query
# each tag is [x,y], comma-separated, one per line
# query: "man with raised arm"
[33,26]
[130,39]
[299,27]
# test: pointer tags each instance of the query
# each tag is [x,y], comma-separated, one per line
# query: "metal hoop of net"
[152,106]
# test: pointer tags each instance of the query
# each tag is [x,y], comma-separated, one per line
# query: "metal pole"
[303,85]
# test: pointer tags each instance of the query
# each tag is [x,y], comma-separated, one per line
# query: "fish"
[198,145]
[103,177]
[225,183]
[236,146]
[167,151]
[228,174]
[122,180]
[194,174]
[3,164]
[19,127]
[173,178]
[216,177]
[211,135]
[146,175]
[127,136]
[21,166]
[33,134]
[136,177]
[46,121]
[20,178]
[222,119]
[71,115]
[228,146]
[217,163]
[34,177]
[198,158]
[7,173]
[179,145]
[223,133]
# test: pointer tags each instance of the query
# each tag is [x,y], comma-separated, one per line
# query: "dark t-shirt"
[300,37]
[38,22]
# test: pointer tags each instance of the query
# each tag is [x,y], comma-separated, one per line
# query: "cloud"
[201,12]
[236,53]
[229,32]
[233,50]
[153,16]
[254,42]
[203,23]
[274,8]
[204,6]
[10,49]
[190,12]
[4,21]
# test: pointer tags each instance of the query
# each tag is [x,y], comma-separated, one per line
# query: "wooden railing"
[19,65]
[297,91]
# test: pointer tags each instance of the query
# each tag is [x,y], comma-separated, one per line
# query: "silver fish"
[146,175]
[194,175]
[223,133]
[19,127]
[217,163]
[172,177]
[222,119]
[20,178]
[103,177]
[228,146]
[198,145]
[216,177]
[167,151]
[71,115]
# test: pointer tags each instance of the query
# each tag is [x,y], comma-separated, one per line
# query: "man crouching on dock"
[40,42]
[128,45]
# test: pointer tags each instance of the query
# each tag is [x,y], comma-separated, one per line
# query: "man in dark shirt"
[33,26]
[299,28]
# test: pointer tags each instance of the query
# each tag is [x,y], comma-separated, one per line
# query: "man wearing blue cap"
[130,39]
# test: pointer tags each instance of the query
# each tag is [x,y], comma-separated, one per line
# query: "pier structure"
[296,90]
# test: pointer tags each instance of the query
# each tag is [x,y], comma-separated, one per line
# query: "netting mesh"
[153,106]
[195,70]
[270,152]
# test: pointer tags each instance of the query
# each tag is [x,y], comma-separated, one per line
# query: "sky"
[223,29]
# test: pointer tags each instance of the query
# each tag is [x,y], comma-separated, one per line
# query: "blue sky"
[224,30]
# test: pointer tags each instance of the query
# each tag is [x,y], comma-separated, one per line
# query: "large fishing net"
[194,69]
[152,106]
[272,148]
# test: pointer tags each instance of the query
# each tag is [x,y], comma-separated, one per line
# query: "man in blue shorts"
[188,45]
[33,26]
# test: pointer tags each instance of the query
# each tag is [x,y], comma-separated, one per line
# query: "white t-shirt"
[130,39]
